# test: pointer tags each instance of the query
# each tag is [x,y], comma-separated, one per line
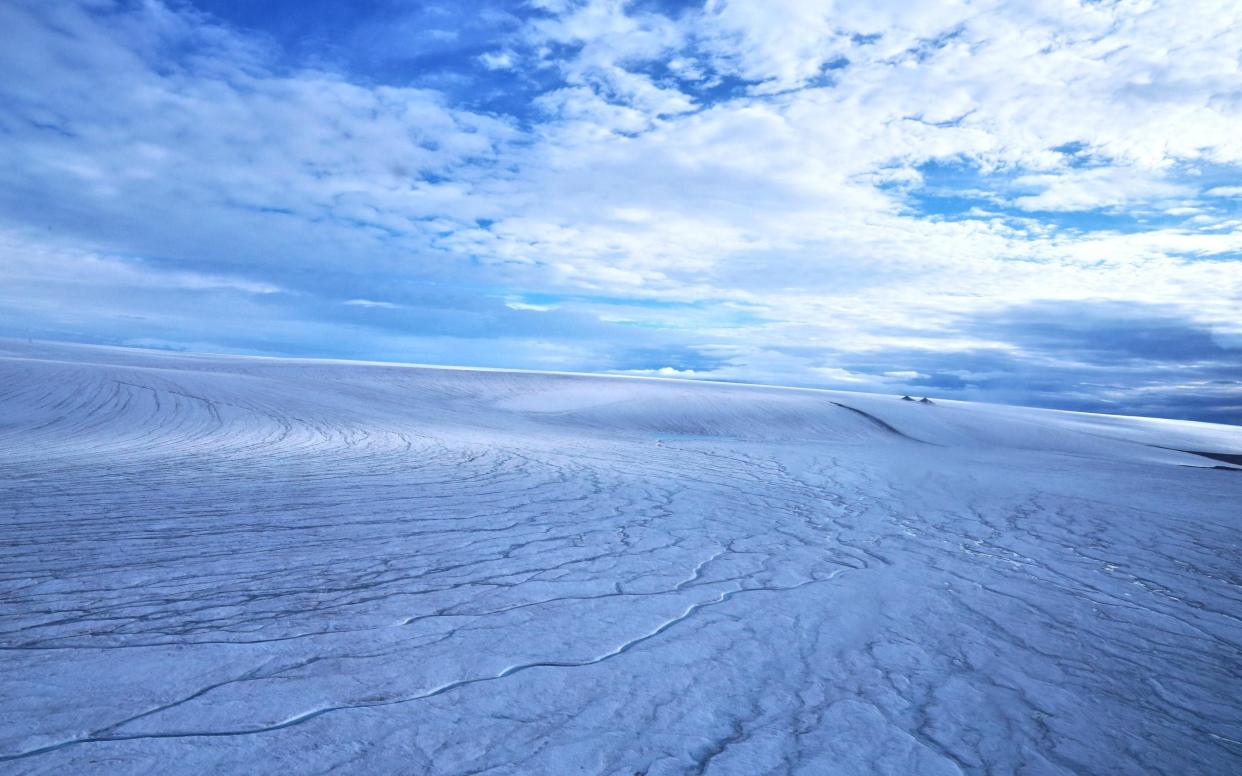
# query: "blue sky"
[1037,203]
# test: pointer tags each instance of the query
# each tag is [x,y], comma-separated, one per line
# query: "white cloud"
[496,60]
[1095,188]
[905,375]
[527,306]
[664,371]
[24,259]
[371,303]
[759,154]
[838,375]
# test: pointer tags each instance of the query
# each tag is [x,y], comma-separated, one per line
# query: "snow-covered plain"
[239,565]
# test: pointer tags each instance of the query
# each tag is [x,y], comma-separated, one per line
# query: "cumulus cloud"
[770,190]
[1095,188]
[664,371]
[496,60]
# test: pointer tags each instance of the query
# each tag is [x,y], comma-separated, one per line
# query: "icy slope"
[263,566]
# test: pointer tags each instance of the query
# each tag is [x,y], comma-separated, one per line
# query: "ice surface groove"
[310,715]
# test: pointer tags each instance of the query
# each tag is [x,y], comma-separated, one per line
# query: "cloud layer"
[1012,201]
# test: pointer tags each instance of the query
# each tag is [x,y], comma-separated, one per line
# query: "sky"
[1024,202]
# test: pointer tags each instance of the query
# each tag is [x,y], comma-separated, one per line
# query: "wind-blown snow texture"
[248,565]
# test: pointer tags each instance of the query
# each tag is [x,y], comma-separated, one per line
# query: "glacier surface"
[230,564]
